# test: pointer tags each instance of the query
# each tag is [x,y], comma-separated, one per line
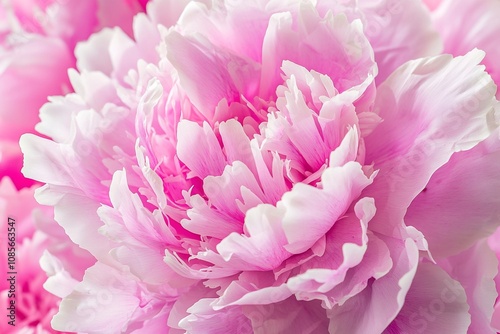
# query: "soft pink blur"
[37,39]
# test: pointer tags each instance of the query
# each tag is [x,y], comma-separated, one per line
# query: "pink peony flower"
[37,39]
[35,235]
[273,167]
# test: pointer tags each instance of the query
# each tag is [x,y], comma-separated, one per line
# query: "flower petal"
[421,130]
[434,304]
[321,208]
[475,269]
[372,310]
[460,203]
[398,31]
[467,24]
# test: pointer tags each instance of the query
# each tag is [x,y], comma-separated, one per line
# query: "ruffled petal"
[208,75]
[331,45]
[468,24]
[373,309]
[107,300]
[321,207]
[420,131]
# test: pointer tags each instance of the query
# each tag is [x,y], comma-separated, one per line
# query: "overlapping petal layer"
[270,166]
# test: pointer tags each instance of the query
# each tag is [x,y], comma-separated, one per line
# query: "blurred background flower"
[37,41]
[37,235]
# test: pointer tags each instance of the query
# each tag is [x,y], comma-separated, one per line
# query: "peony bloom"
[37,39]
[273,167]
[37,236]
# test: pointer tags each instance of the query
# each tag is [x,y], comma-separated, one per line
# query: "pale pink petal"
[198,269]
[147,36]
[231,26]
[468,24]
[128,210]
[346,244]
[261,247]
[332,46]
[253,288]
[59,281]
[435,303]
[376,263]
[289,316]
[95,88]
[140,246]
[59,111]
[378,304]
[29,72]
[43,152]
[166,12]
[180,308]
[117,13]
[199,149]
[64,256]
[88,56]
[206,221]
[432,4]
[321,207]
[76,213]
[203,319]
[475,269]
[226,191]
[40,61]
[110,299]
[208,75]
[466,188]
[237,144]
[421,131]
